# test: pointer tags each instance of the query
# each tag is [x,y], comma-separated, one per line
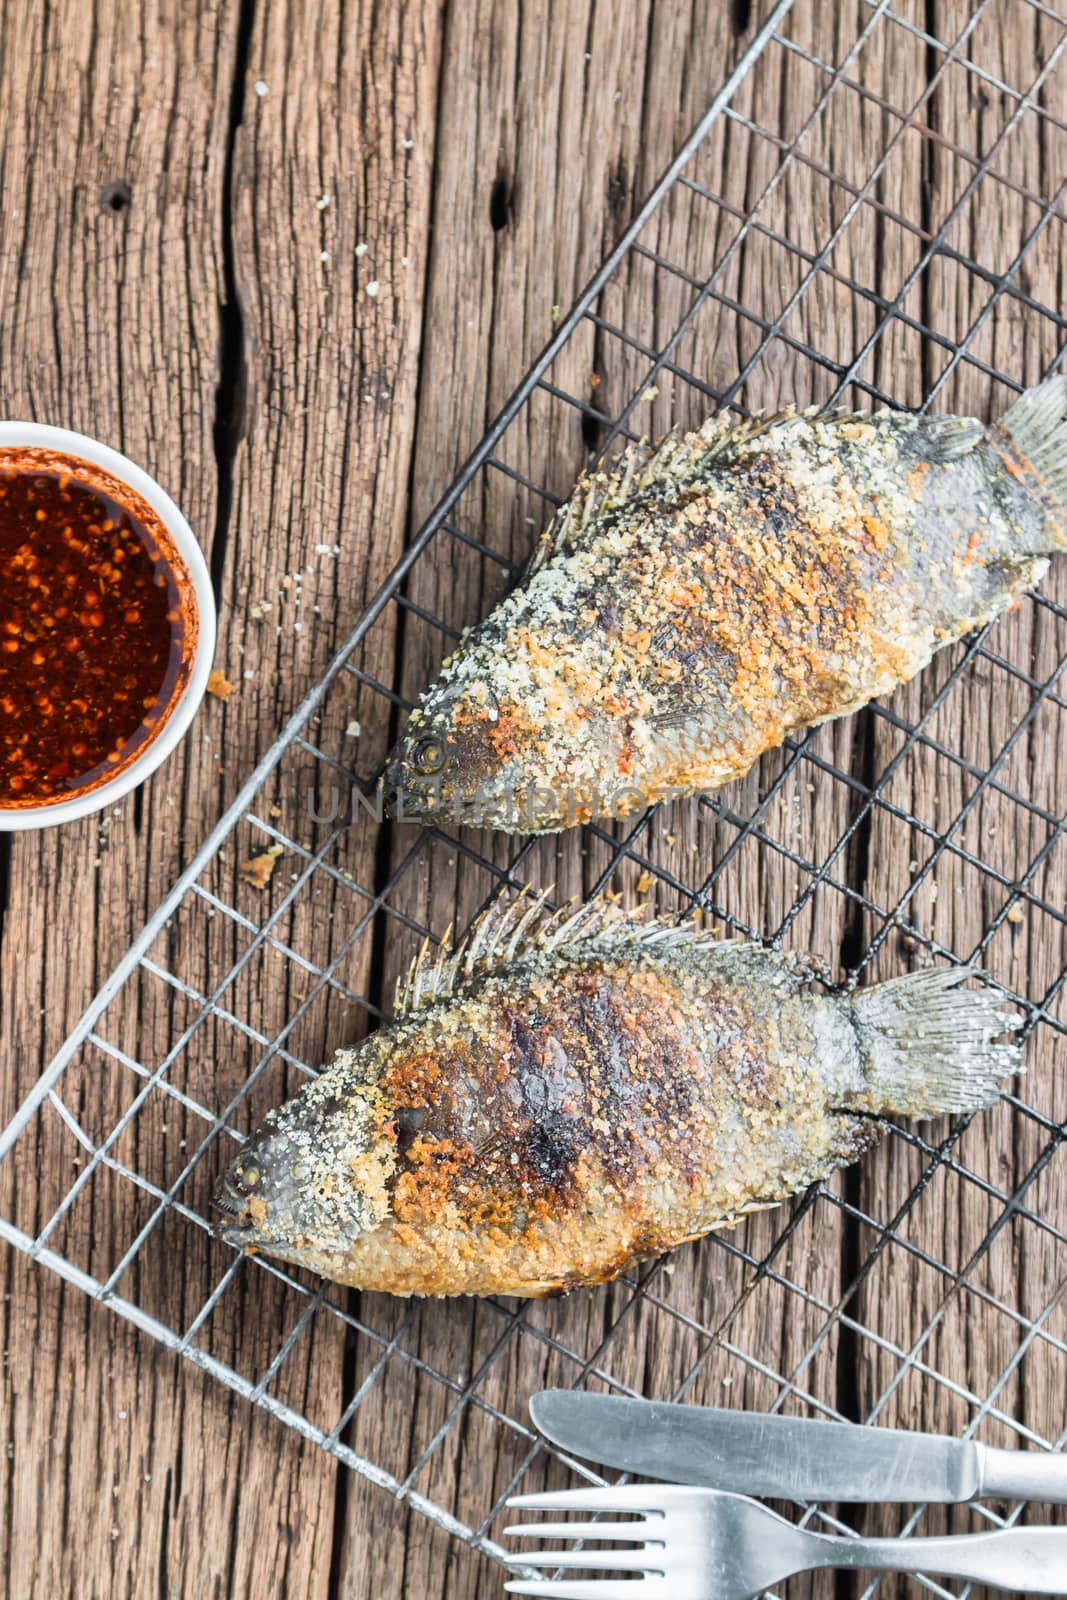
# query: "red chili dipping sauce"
[97,626]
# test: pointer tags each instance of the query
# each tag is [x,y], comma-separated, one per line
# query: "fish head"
[466,756]
[314,1174]
[473,755]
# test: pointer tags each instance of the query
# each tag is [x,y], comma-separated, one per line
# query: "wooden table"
[293,257]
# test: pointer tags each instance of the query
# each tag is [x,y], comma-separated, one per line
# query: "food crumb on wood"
[1015,914]
[219,685]
[258,869]
[354,729]
[644,882]
[651,393]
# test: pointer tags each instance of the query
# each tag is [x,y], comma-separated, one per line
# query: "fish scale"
[570,1092]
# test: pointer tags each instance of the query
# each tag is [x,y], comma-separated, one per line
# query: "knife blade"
[790,1458]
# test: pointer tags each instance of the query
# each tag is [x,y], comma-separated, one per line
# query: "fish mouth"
[235,1233]
[235,1229]
[406,800]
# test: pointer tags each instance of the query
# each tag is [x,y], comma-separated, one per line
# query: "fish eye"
[246,1177]
[429,755]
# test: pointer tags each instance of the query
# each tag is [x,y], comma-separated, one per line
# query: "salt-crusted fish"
[569,1093]
[694,604]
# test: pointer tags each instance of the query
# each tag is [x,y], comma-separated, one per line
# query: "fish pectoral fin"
[946,439]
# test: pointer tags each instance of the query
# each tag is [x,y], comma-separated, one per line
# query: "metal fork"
[703,1544]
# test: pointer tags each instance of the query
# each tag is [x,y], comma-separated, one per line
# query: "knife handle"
[1023,1560]
[1021,1475]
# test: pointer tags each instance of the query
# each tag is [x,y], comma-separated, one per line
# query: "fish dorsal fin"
[595,493]
[511,929]
[504,932]
[643,466]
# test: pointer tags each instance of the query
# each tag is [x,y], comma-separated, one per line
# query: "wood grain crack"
[232,387]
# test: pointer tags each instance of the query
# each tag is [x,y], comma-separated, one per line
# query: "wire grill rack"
[927,1287]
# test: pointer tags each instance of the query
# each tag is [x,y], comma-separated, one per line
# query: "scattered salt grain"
[353,730]
[324,255]
[372,288]
[407,144]
[261,88]
[361,249]
[322,202]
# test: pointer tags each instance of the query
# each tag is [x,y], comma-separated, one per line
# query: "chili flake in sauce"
[92,627]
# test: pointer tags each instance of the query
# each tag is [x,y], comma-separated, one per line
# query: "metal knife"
[791,1458]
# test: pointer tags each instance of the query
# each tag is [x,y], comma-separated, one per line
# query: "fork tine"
[578,1589]
[638,1531]
[643,1560]
[625,1497]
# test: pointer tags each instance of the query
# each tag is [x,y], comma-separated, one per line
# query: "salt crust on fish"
[570,1092]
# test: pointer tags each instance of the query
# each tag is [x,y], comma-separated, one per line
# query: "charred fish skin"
[695,604]
[569,1094]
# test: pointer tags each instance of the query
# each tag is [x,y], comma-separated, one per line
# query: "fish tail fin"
[927,1045]
[1036,428]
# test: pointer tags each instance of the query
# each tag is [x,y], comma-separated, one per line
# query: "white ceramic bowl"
[36,436]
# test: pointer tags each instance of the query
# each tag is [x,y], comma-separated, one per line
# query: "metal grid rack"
[245,1000]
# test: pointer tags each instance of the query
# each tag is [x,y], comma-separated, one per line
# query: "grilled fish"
[693,605]
[569,1093]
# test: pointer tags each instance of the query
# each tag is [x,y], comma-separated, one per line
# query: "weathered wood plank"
[980,1297]
[109,326]
[125,1475]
